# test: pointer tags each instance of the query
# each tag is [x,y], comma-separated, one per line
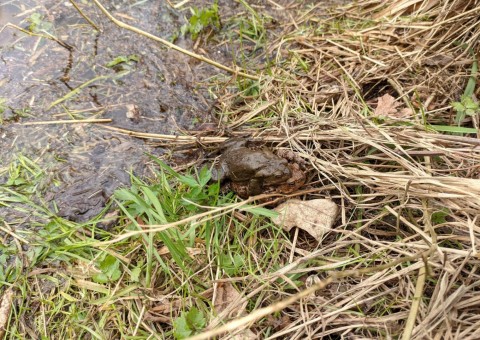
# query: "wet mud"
[90,162]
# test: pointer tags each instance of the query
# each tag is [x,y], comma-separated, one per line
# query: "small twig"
[76,91]
[44,35]
[84,15]
[69,121]
[417,297]
[355,53]
[11,233]
[166,138]
[180,4]
[173,46]
[279,7]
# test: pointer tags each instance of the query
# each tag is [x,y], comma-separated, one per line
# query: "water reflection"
[8,12]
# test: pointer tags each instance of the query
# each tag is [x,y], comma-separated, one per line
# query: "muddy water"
[6,14]
[155,90]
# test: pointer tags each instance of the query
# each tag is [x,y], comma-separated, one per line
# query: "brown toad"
[249,170]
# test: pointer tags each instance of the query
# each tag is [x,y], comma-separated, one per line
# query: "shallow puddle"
[89,162]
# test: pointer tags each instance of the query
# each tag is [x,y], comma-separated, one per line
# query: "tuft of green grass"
[38,23]
[201,20]
[76,280]
[253,27]
[467,106]
[3,105]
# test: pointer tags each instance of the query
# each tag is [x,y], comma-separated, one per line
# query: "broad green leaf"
[117,60]
[195,319]
[123,59]
[458,106]
[110,270]
[204,176]
[124,195]
[181,329]
[100,278]
[135,274]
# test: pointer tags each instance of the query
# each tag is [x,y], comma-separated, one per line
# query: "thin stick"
[42,35]
[84,15]
[69,121]
[180,4]
[76,90]
[6,303]
[173,46]
[379,63]
[417,297]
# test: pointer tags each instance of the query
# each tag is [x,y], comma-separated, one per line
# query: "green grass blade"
[455,129]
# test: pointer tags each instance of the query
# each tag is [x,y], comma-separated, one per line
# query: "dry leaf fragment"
[5,307]
[192,252]
[133,112]
[226,294]
[388,107]
[246,334]
[316,217]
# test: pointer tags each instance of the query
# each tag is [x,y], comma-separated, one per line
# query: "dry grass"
[403,188]
[409,228]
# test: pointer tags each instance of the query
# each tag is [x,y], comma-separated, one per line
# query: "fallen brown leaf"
[316,217]
[387,106]
[226,294]
[5,308]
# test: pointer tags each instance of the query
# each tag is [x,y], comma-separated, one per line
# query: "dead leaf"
[167,305]
[245,334]
[133,112]
[165,308]
[226,294]
[405,112]
[388,107]
[316,217]
[109,220]
[5,307]
[192,252]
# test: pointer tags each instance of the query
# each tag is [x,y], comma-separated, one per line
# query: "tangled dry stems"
[403,188]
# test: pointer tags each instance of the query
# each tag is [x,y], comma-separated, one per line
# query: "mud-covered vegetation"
[378,100]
